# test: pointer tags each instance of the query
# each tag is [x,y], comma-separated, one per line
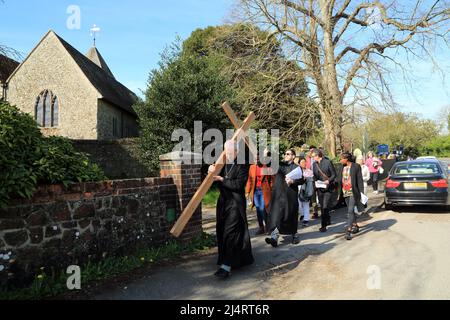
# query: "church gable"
[51,54]
[49,68]
[64,90]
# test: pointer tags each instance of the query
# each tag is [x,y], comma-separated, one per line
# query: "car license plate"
[416,186]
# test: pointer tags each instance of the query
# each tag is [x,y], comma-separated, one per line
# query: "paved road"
[397,255]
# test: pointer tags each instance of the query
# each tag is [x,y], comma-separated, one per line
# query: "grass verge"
[210,198]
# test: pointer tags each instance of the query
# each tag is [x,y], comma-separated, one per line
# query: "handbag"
[332,185]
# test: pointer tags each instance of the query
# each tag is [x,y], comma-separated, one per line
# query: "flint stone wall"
[62,226]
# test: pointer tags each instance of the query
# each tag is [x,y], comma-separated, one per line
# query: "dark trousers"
[374,179]
[324,200]
[351,215]
[313,201]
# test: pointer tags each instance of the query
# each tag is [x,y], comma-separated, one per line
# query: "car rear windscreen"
[425,168]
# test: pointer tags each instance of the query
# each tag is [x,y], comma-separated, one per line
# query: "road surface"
[397,255]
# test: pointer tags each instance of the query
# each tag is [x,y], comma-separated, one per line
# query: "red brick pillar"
[185,170]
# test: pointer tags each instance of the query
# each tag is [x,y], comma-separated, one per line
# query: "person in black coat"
[233,237]
[325,173]
[283,209]
[352,187]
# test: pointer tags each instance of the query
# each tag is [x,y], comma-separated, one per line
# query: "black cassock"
[233,238]
[283,209]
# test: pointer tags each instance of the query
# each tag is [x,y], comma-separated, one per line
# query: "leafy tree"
[19,145]
[217,64]
[58,162]
[439,146]
[402,129]
[393,129]
[184,89]
[264,79]
[28,159]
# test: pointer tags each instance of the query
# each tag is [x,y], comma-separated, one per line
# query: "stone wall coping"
[53,192]
[180,155]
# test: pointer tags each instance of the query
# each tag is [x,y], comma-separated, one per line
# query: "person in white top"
[364,170]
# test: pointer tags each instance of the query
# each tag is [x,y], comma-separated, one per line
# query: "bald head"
[231,150]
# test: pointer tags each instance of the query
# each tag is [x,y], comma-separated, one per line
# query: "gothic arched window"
[47,109]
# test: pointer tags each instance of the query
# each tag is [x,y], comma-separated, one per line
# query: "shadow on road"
[193,279]
[380,225]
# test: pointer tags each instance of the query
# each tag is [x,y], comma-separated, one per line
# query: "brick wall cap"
[180,155]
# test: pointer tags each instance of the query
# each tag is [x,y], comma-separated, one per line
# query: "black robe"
[283,211]
[233,237]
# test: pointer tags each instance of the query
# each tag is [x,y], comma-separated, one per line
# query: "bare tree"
[267,83]
[346,47]
[444,117]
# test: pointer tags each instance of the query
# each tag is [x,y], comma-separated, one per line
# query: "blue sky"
[134,33]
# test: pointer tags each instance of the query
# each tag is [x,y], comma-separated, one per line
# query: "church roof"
[7,66]
[103,81]
[97,58]
[111,90]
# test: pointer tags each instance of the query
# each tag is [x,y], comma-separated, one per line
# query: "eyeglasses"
[288,154]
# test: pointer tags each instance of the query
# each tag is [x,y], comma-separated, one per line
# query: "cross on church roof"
[94,31]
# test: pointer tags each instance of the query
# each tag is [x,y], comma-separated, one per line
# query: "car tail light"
[442,183]
[392,184]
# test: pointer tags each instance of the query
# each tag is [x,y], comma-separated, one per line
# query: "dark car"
[422,182]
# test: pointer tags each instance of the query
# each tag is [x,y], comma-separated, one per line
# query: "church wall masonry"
[126,124]
[62,226]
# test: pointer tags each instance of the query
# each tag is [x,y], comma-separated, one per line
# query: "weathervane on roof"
[94,31]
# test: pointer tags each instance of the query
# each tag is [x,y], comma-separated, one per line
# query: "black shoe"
[301,218]
[272,242]
[355,229]
[222,273]
[323,229]
[348,236]
[305,224]
[295,239]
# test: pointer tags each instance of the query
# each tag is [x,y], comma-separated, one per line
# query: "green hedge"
[439,147]
[28,159]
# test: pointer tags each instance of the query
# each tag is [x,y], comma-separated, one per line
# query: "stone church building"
[71,94]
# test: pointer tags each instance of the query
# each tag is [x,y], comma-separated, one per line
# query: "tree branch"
[365,53]
[300,8]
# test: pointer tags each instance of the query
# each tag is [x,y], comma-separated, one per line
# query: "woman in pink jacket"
[374,164]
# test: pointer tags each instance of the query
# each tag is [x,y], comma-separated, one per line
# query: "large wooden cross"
[240,134]
[237,124]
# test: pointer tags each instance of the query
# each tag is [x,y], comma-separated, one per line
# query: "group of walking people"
[281,197]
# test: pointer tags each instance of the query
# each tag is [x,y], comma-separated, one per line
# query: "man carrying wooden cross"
[233,238]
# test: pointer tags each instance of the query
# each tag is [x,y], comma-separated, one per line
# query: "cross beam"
[237,124]
[208,181]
